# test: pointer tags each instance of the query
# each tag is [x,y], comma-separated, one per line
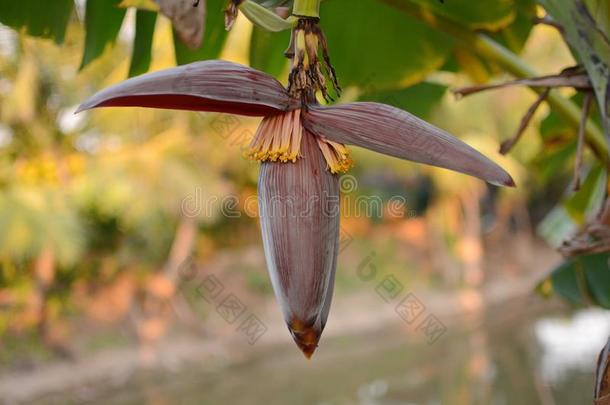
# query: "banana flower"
[302,150]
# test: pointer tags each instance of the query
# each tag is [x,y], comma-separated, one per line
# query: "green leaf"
[553,126]
[40,18]
[142,43]
[477,68]
[555,160]
[582,280]
[516,34]
[267,51]
[264,17]
[600,10]
[491,15]
[373,45]
[559,143]
[149,5]
[103,20]
[419,99]
[511,21]
[597,275]
[214,37]
[589,199]
[513,36]
[556,227]
[590,45]
[582,206]
[565,282]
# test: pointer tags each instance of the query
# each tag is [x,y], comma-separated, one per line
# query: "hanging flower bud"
[299,214]
[301,147]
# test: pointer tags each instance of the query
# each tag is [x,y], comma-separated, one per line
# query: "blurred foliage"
[365,57]
[582,280]
[38,18]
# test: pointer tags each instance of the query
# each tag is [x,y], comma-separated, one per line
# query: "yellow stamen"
[278,138]
[337,156]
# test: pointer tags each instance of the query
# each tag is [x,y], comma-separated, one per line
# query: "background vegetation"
[92,220]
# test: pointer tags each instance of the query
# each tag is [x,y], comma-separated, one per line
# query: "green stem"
[490,49]
[306,8]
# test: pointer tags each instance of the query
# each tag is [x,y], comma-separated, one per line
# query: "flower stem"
[306,8]
[512,63]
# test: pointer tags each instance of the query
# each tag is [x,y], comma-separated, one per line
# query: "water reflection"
[571,343]
[526,352]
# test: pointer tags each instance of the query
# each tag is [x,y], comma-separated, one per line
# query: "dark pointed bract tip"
[510,182]
[82,108]
[306,337]
[507,182]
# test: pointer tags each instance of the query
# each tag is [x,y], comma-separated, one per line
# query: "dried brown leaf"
[525,121]
[602,377]
[568,78]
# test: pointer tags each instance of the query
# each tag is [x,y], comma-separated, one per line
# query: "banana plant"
[302,149]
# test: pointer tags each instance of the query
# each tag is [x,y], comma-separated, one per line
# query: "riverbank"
[378,306]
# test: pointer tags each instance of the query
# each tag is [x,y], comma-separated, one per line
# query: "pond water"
[528,352]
